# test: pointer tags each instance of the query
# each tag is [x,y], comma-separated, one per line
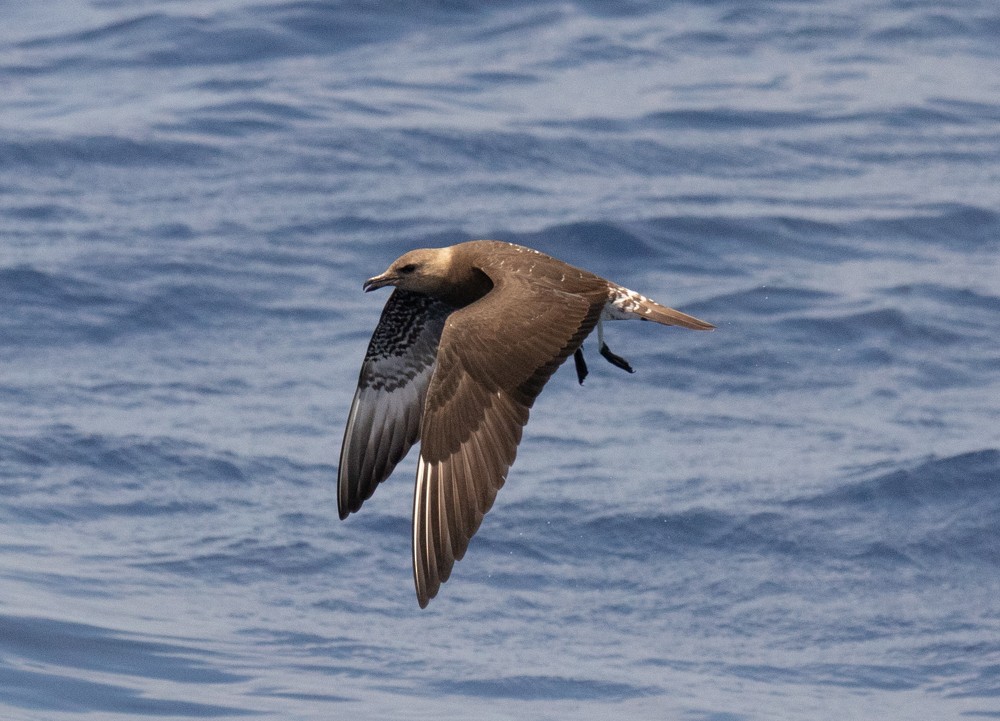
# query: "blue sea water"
[794,517]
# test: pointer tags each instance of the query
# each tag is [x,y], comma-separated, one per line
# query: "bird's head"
[420,271]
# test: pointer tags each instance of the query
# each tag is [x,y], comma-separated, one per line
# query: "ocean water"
[794,517]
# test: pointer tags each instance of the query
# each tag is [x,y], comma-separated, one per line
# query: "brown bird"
[464,346]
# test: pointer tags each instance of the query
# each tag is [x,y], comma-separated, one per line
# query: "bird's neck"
[465,287]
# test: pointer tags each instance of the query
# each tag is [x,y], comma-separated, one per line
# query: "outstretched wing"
[493,360]
[385,415]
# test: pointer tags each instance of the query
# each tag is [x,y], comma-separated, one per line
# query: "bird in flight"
[466,342]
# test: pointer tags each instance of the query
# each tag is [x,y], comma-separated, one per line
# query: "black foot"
[581,364]
[615,360]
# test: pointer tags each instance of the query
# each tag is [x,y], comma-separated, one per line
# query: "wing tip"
[426,586]
[344,504]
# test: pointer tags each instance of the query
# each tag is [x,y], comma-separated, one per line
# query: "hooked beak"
[379,281]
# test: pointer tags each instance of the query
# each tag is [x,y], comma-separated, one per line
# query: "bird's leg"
[615,360]
[581,364]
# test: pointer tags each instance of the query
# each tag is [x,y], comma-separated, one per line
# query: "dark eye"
[408,268]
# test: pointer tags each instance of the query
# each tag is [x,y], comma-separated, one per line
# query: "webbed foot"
[581,364]
[615,360]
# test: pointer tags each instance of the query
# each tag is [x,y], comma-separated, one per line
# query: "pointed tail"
[651,310]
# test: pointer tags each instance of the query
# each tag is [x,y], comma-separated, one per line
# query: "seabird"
[466,342]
